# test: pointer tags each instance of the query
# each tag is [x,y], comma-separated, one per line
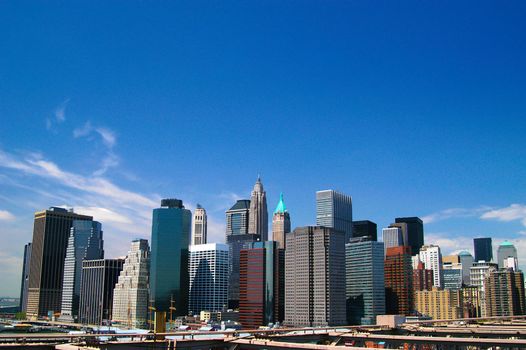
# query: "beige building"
[439,304]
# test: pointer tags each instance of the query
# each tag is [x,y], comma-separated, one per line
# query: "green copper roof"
[464,253]
[506,244]
[281,208]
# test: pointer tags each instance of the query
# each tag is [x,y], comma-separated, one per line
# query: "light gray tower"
[505,250]
[334,209]
[200,226]
[280,223]
[258,215]
[392,237]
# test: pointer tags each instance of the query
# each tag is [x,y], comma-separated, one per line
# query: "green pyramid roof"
[506,244]
[281,208]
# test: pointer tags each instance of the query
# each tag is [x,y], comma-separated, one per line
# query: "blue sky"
[413,108]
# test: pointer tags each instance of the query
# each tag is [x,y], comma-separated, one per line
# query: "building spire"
[280,208]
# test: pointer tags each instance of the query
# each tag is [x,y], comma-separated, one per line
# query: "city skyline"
[426,121]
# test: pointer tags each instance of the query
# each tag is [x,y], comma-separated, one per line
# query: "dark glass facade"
[415,232]
[365,228]
[483,249]
[25,277]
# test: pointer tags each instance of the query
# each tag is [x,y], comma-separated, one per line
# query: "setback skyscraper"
[483,249]
[199,231]
[315,277]
[258,217]
[171,225]
[334,209]
[48,253]
[415,232]
[280,223]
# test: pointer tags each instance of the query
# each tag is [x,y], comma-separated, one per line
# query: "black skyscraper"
[415,232]
[364,228]
[483,249]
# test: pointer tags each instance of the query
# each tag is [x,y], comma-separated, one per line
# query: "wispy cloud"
[6,216]
[512,212]
[108,139]
[451,213]
[59,115]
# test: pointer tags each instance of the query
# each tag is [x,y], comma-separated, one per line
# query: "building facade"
[466,260]
[315,277]
[392,237]
[452,276]
[85,243]
[48,252]
[365,228]
[439,304]
[200,226]
[365,284]
[25,277]
[504,293]
[478,273]
[483,249]
[334,209]
[208,268]
[415,232]
[99,278]
[422,277]
[130,296]
[505,250]
[258,217]
[431,256]
[280,223]
[398,281]
[171,224]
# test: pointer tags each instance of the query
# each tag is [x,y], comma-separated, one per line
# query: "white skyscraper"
[208,266]
[130,296]
[258,215]
[432,258]
[199,228]
[478,273]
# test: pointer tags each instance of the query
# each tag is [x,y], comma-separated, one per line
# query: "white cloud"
[454,213]
[510,213]
[108,138]
[448,243]
[59,115]
[6,216]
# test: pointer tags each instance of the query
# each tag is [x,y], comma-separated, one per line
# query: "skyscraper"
[506,250]
[334,209]
[466,259]
[130,296]
[422,277]
[452,276]
[364,228]
[48,253]
[171,225]
[261,286]
[398,281]
[315,277]
[504,293]
[258,218]
[365,284]
[280,223]
[99,278]
[415,232]
[439,304]
[431,256]
[405,233]
[483,249]
[84,243]
[237,238]
[478,273]
[392,237]
[25,277]
[199,231]
[208,289]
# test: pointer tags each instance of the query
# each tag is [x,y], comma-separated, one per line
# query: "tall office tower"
[504,293]
[422,277]
[280,223]
[199,232]
[237,238]
[25,277]
[208,289]
[258,218]
[466,259]
[130,296]
[405,233]
[171,226]
[398,281]
[452,276]
[261,286]
[315,277]
[483,249]
[334,209]
[431,256]
[365,228]
[85,243]
[478,273]
[506,250]
[48,253]
[98,281]
[439,304]
[511,263]
[392,237]
[365,284]
[415,232]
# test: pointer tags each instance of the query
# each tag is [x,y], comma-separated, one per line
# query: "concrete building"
[439,304]
[315,277]
[200,226]
[258,217]
[25,277]
[431,256]
[504,293]
[392,237]
[99,278]
[261,287]
[505,250]
[365,228]
[365,284]
[415,232]
[208,287]
[130,296]
[483,249]
[466,260]
[171,225]
[334,209]
[398,281]
[85,243]
[405,233]
[422,277]
[478,273]
[280,223]
[48,252]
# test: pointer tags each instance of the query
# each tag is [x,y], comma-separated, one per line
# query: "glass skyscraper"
[171,227]
[483,249]
[334,209]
